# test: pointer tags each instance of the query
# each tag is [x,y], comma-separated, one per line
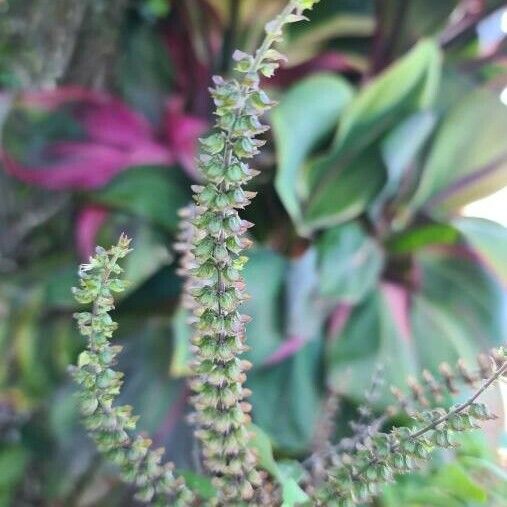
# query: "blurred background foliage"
[390,123]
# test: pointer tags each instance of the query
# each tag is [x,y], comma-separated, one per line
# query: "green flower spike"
[112,427]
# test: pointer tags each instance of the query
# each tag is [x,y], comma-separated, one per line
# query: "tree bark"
[63,41]
[92,63]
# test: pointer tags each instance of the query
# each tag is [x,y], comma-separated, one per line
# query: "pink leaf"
[112,122]
[75,166]
[52,99]
[89,221]
[339,319]
[117,138]
[105,118]
[182,133]
[82,165]
[398,300]
[286,349]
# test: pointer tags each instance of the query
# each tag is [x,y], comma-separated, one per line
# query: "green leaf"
[400,149]
[198,483]
[376,333]
[13,460]
[330,21]
[284,306]
[417,494]
[150,253]
[153,193]
[405,140]
[408,85]
[341,185]
[306,311]
[145,358]
[291,390]
[439,335]
[308,40]
[292,494]
[468,159]
[158,294]
[421,237]
[264,276]
[59,285]
[292,468]
[454,286]
[261,442]
[32,349]
[307,112]
[454,479]
[182,333]
[343,193]
[350,263]
[486,465]
[489,240]
[157,8]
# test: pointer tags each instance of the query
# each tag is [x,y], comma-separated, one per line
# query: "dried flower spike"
[358,476]
[112,426]
[221,412]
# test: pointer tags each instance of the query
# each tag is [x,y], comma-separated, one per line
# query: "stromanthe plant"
[212,241]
